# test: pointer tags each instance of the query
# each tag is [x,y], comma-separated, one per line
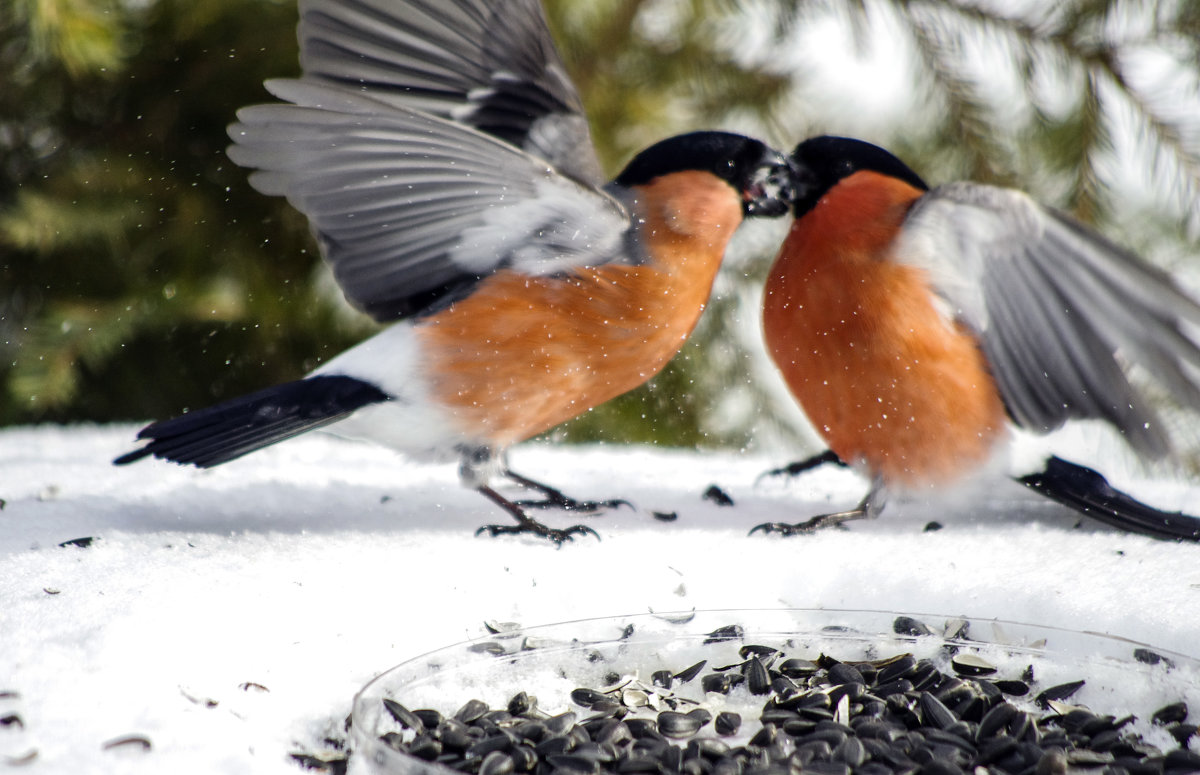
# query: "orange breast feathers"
[882,374]
[523,354]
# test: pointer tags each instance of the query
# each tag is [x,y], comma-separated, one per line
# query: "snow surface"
[229,616]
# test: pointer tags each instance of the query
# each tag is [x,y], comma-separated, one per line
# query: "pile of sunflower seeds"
[896,715]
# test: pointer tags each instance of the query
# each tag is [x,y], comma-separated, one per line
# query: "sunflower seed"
[728,632]
[1167,714]
[727,723]
[757,679]
[403,715]
[971,664]
[673,724]
[471,711]
[1059,692]
[906,625]
[717,496]
[687,674]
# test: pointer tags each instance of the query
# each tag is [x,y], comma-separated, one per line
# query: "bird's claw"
[800,466]
[554,498]
[812,525]
[783,528]
[567,503]
[785,471]
[533,527]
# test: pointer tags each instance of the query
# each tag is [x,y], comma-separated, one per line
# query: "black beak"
[770,191]
[804,181]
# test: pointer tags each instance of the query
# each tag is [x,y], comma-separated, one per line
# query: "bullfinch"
[443,159]
[917,326]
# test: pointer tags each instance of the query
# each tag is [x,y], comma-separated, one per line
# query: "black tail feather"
[209,437]
[1088,492]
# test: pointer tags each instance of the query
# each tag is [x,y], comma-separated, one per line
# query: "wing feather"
[410,209]
[491,64]
[1060,311]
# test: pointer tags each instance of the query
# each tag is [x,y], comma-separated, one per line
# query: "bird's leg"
[477,465]
[557,499]
[868,508]
[807,464]
[527,525]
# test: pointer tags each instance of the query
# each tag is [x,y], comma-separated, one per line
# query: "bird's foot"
[828,457]
[526,524]
[868,508]
[554,498]
[567,503]
[533,527]
[819,522]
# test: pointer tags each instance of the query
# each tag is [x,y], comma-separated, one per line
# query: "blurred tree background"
[140,274]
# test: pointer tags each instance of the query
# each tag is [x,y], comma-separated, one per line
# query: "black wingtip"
[218,434]
[1088,492]
[132,457]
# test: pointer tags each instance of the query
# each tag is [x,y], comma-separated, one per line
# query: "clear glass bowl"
[548,662]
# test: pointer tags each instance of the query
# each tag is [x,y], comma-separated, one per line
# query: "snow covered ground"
[229,616]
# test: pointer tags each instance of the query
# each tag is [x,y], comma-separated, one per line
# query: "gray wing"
[412,210]
[490,64]
[1060,310]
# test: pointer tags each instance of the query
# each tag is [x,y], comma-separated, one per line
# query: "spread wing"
[1058,308]
[412,210]
[490,64]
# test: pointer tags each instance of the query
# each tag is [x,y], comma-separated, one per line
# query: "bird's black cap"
[820,162]
[760,173]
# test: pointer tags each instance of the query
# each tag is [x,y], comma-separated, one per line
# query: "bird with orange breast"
[915,326]
[442,157]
